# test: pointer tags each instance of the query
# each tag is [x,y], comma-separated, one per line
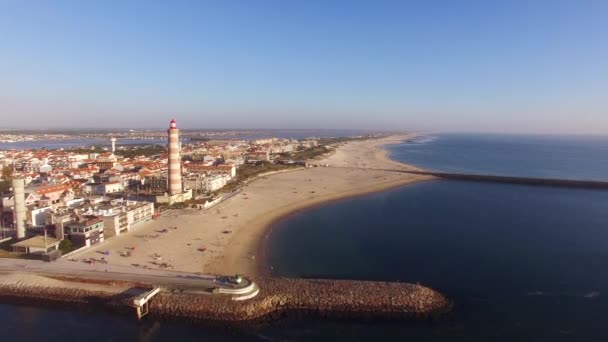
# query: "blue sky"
[496,66]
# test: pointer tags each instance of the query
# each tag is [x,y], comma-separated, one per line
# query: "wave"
[589,295]
[536,293]
[424,139]
[592,294]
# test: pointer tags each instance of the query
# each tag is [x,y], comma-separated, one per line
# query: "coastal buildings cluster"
[10,136]
[86,197]
[200,246]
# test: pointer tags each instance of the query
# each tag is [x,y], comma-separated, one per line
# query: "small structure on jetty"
[141,302]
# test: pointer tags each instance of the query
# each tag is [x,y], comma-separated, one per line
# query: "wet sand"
[248,215]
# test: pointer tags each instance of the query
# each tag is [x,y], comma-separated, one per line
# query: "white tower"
[175,168]
[20,217]
[113,140]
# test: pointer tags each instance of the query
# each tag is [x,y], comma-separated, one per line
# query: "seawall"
[278,296]
[555,182]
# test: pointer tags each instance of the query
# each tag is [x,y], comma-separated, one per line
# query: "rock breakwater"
[325,298]
[277,297]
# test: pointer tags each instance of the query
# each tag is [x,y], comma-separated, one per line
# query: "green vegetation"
[95,149]
[66,246]
[144,150]
[339,140]
[178,206]
[199,139]
[7,177]
[320,150]
[308,153]
[248,171]
[5,186]
[6,249]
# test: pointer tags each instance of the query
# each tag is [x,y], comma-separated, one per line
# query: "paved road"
[165,278]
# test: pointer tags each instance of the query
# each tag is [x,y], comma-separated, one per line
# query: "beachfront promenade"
[108,272]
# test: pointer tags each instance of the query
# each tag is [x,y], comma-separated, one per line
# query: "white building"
[127,217]
[102,188]
[216,182]
[206,182]
[36,217]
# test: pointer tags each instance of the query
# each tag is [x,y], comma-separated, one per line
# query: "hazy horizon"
[437,66]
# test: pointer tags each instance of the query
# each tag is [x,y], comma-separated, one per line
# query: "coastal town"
[69,204]
[303,171]
[77,198]
[188,224]
[191,218]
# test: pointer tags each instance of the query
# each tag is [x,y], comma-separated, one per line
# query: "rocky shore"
[278,297]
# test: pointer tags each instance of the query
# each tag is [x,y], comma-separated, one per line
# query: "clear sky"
[499,66]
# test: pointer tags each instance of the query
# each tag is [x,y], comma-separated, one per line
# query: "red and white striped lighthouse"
[175,170]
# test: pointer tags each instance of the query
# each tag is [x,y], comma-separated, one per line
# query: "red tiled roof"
[51,189]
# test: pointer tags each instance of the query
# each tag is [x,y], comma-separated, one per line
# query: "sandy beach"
[231,232]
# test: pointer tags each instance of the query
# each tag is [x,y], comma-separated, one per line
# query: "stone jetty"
[277,297]
[551,182]
[321,297]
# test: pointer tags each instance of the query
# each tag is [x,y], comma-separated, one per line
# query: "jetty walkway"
[553,182]
[108,272]
[200,298]
[535,181]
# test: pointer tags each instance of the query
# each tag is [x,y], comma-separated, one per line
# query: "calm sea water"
[521,263]
[575,157]
[75,143]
